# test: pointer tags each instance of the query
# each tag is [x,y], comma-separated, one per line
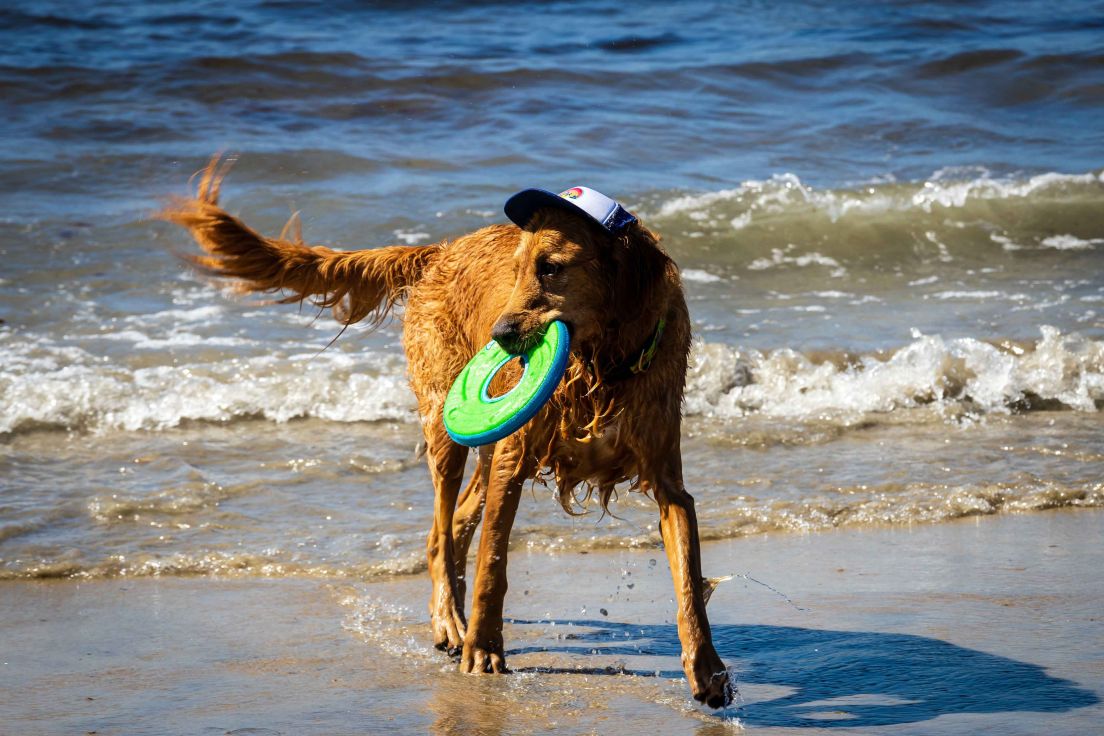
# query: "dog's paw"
[448,634]
[709,683]
[447,623]
[483,660]
[443,644]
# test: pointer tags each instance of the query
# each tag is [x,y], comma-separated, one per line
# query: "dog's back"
[451,308]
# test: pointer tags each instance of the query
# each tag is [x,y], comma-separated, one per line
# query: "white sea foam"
[195,316]
[967,294]
[1005,242]
[411,237]
[698,202]
[700,276]
[64,387]
[1053,242]
[1070,242]
[786,257]
[70,388]
[193,293]
[739,222]
[174,338]
[729,382]
[947,187]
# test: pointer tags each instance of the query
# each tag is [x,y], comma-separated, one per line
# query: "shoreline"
[987,623]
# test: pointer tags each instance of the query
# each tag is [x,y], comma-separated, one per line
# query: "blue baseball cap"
[606,212]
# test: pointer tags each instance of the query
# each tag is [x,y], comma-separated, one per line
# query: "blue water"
[889,219]
[461,103]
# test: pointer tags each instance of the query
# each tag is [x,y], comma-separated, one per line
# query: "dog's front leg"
[678,525]
[469,512]
[446,603]
[483,650]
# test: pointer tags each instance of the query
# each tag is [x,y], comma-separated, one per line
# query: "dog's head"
[570,269]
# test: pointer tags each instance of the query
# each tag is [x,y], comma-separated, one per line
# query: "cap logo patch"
[573,193]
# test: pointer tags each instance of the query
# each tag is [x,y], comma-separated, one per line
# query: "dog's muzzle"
[507,333]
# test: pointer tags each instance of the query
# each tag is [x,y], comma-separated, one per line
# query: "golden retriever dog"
[614,418]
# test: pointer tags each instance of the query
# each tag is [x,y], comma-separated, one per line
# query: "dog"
[615,417]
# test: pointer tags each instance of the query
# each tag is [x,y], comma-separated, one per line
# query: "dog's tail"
[357,285]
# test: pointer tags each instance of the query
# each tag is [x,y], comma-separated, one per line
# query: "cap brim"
[521,207]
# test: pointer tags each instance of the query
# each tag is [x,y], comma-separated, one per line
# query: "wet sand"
[983,625]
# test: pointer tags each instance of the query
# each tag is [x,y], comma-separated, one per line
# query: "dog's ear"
[640,262]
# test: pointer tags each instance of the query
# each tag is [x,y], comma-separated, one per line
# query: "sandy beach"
[982,625]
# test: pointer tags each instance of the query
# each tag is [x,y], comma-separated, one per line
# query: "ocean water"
[889,218]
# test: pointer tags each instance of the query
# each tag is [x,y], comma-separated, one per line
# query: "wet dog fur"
[601,427]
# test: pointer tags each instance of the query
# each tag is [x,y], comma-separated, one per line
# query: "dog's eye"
[548,269]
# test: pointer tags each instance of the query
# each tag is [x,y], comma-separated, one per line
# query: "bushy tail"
[357,285]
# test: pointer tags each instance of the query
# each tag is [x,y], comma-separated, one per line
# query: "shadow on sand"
[841,678]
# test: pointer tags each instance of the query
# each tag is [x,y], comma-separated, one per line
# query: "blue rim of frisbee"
[474,418]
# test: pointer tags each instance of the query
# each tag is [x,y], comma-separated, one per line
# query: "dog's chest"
[599,459]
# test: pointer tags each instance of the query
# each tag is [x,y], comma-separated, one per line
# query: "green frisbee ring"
[473,417]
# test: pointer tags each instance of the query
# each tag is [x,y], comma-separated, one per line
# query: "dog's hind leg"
[469,512]
[446,604]
[509,467]
[678,524]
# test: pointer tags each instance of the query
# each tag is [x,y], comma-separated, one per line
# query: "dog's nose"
[507,333]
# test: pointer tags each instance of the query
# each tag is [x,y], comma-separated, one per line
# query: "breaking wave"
[73,391]
[81,393]
[957,213]
[1057,371]
[949,189]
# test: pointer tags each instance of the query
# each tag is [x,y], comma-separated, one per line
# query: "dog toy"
[473,417]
